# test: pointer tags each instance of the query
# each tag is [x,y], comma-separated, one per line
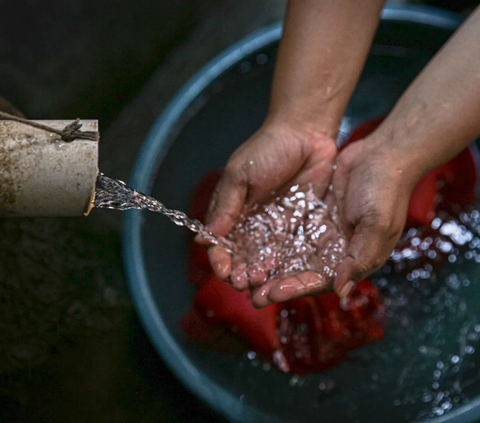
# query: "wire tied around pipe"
[67,134]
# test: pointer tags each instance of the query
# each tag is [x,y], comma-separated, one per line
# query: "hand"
[279,155]
[372,189]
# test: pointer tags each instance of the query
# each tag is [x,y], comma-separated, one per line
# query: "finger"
[368,249]
[278,291]
[228,200]
[260,294]
[257,274]
[221,262]
[239,277]
[301,285]
[202,241]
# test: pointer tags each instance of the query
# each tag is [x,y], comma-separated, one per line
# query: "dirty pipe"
[41,175]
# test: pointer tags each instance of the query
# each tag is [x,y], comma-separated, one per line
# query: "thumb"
[367,250]
[227,201]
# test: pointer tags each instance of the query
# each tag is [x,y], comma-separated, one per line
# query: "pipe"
[40,175]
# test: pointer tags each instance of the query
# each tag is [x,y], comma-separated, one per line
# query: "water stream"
[115,194]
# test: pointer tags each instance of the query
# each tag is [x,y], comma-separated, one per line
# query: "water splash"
[114,194]
[428,362]
[433,320]
[296,232]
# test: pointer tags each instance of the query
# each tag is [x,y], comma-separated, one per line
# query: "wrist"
[396,159]
[313,128]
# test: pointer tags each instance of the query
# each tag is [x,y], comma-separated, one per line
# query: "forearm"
[439,115]
[321,56]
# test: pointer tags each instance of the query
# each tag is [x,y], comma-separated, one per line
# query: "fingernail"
[346,289]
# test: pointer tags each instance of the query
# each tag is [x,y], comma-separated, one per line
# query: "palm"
[371,197]
[272,160]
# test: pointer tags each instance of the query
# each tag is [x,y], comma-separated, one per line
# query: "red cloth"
[219,305]
[315,333]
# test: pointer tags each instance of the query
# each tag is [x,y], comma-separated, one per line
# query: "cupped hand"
[371,188]
[280,154]
[373,185]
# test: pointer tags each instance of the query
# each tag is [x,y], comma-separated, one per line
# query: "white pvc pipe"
[40,175]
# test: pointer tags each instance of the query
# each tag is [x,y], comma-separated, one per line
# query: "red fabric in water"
[315,333]
[219,304]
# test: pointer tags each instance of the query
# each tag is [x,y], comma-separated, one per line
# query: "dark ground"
[71,348]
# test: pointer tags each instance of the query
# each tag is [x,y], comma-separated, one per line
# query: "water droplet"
[261,59]
[427,398]
[245,67]
[446,405]
[294,380]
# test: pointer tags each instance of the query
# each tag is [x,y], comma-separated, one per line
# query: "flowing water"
[114,194]
[294,233]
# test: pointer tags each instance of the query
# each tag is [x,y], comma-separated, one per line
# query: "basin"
[213,114]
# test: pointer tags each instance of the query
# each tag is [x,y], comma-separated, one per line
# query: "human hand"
[280,154]
[373,185]
[371,189]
